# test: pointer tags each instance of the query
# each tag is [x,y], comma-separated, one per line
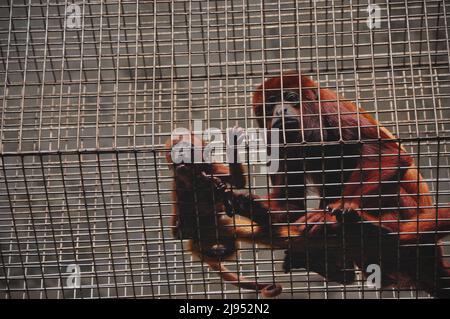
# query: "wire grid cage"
[90,91]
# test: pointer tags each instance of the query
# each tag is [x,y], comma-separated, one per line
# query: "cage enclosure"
[91,91]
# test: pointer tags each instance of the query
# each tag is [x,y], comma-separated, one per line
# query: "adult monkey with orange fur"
[197,195]
[372,196]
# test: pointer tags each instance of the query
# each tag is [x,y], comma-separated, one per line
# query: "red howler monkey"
[375,207]
[372,196]
[197,194]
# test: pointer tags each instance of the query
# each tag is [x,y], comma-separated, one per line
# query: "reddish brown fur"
[419,219]
[197,216]
[412,219]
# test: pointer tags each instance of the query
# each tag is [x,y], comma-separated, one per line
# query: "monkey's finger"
[240,134]
[236,136]
[316,230]
[347,215]
[228,203]
[336,212]
[229,208]
[311,229]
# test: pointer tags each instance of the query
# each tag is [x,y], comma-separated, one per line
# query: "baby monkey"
[199,195]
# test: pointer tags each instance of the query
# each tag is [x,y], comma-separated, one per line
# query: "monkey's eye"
[291,97]
[271,99]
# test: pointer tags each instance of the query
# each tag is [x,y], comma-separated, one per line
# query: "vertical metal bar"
[446,30]
[14,226]
[99,78]
[418,209]
[67,207]
[302,134]
[136,61]
[192,128]
[207,54]
[33,224]
[88,222]
[437,273]
[227,108]
[161,221]
[50,214]
[107,225]
[155,29]
[322,140]
[144,228]
[80,85]
[6,279]
[392,70]
[5,85]
[408,33]
[44,64]
[61,78]
[125,224]
[430,66]
[24,79]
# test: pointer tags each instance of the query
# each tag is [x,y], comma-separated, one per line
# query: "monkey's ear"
[258,110]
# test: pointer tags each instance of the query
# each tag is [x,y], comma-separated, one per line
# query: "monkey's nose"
[281,110]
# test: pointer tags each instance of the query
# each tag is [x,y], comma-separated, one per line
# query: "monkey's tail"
[267,290]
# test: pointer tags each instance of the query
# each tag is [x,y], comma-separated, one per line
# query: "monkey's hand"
[188,176]
[234,203]
[345,209]
[352,223]
[344,213]
[243,204]
[236,136]
[317,224]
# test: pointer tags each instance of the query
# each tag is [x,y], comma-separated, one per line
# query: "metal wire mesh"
[88,101]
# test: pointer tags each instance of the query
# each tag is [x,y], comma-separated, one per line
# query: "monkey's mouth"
[288,124]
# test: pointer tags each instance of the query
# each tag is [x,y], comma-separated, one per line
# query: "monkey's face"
[281,110]
[184,162]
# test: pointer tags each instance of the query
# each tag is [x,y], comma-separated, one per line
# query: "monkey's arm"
[247,205]
[301,253]
[380,167]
